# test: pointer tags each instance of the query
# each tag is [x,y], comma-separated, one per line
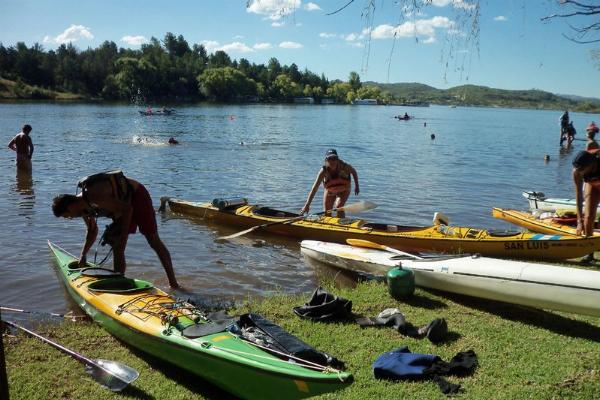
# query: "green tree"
[226,83]
[354,81]
[284,88]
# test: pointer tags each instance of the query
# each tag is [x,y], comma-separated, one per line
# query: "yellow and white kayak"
[437,238]
[534,223]
[536,285]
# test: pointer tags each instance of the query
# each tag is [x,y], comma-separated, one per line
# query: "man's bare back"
[23,146]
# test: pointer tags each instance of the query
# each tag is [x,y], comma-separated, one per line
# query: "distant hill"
[474,95]
[593,100]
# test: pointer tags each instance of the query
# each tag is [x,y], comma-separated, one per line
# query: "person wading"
[591,131]
[335,176]
[127,203]
[23,146]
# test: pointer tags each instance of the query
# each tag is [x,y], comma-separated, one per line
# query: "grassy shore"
[11,90]
[523,353]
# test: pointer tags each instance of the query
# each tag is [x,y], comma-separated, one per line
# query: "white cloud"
[276,24]
[210,45]
[71,34]
[356,44]
[236,47]
[463,4]
[500,18]
[312,7]
[327,35]
[262,46]
[290,45]
[422,27]
[238,37]
[273,9]
[134,40]
[351,37]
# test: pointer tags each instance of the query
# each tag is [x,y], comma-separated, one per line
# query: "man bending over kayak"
[335,176]
[127,203]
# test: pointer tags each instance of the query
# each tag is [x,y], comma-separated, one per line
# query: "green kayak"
[149,319]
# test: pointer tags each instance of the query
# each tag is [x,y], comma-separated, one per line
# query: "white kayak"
[539,201]
[536,285]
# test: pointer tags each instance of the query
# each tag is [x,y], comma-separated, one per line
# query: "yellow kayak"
[533,223]
[437,238]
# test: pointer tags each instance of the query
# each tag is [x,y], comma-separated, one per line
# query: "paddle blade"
[234,235]
[111,374]
[358,207]
[373,245]
[365,243]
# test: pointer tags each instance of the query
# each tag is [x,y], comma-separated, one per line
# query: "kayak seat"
[270,212]
[503,233]
[119,285]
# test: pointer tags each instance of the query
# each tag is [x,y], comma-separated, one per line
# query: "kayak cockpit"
[391,227]
[119,285]
[270,212]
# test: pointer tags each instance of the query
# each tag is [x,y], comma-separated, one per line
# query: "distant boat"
[157,112]
[452,106]
[304,100]
[365,102]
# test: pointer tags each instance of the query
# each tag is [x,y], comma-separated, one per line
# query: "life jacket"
[120,186]
[337,181]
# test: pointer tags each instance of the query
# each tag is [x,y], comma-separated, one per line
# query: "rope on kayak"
[308,364]
[165,310]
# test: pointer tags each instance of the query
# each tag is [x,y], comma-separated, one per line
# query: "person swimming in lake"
[23,146]
[335,175]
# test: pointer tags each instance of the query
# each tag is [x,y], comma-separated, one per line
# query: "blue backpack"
[402,364]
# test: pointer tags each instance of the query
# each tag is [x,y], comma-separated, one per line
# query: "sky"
[515,49]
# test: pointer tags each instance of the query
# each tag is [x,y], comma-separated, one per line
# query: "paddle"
[372,245]
[110,374]
[352,208]
[69,315]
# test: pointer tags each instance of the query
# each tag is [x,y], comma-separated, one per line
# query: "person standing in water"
[591,131]
[564,124]
[23,145]
[335,175]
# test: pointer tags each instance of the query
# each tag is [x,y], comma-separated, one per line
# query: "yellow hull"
[534,224]
[439,238]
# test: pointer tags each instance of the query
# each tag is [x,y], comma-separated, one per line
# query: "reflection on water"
[269,154]
[24,187]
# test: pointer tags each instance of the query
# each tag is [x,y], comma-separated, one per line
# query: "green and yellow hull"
[140,317]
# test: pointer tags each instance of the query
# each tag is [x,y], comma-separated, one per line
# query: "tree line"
[171,69]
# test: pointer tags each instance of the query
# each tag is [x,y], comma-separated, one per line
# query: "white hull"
[537,201]
[536,285]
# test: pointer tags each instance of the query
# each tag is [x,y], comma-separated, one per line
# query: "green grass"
[523,353]
[13,90]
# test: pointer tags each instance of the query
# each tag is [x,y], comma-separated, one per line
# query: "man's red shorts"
[143,213]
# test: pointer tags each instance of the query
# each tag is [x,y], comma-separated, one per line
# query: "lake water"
[480,158]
